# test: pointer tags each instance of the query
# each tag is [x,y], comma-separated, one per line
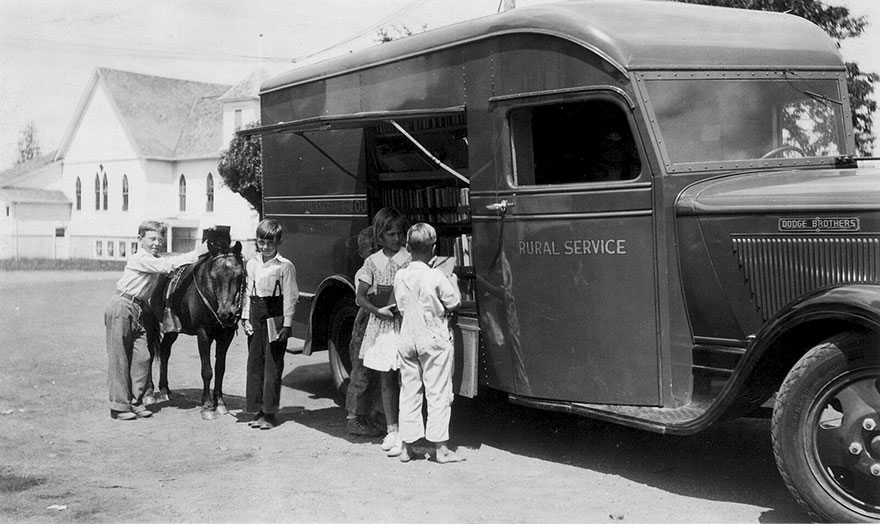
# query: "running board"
[683,420]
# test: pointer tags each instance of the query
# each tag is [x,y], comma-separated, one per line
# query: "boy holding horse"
[128,351]
[267,318]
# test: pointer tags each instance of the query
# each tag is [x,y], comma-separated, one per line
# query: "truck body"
[653,210]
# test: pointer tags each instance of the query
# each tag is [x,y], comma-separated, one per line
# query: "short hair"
[151,225]
[420,239]
[385,219]
[270,229]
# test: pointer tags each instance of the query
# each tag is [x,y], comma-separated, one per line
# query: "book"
[444,264]
[274,325]
[466,250]
[382,297]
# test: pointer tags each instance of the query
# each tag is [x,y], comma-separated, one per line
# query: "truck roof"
[629,34]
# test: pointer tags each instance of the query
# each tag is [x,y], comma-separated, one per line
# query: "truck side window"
[572,143]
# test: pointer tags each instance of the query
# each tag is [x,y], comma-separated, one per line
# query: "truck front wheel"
[338,339]
[826,429]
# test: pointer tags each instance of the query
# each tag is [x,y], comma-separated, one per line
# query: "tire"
[338,339]
[826,429]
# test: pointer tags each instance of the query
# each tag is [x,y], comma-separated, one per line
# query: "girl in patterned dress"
[378,349]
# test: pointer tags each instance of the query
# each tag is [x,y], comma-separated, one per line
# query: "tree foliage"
[864,107]
[241,168]
[28,147]
[839,24]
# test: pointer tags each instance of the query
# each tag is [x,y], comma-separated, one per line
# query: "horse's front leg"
[164,351]
[208,407]
[224,339]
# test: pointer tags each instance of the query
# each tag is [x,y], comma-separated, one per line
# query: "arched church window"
[125,192]
[209,190]
[181,192]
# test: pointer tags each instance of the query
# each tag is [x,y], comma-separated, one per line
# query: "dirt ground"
[62,459]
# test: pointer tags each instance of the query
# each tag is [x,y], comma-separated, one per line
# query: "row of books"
[461,250]
[458,247]
[455,255]
[439,205]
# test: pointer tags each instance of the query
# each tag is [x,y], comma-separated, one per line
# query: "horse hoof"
[149,400]
[208,414]
[164,396]
[221,409]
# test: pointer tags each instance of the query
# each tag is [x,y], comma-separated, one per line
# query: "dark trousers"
[362,397]
[265,365]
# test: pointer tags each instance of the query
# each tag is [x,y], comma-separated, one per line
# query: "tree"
[861,91]
[840,25]
[28,147]
[241,168]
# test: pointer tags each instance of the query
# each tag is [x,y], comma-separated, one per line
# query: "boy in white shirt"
[271,282]
[128,350]
[424,296]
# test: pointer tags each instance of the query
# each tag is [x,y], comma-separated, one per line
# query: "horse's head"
[226,271]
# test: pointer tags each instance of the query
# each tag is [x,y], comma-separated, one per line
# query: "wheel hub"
[847,438]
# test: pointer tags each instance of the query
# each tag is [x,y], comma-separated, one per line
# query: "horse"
[207,303]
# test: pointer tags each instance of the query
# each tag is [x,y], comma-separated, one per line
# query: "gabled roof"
[21,171]
[249,88]
[157,113]
[201,135]
[33,196]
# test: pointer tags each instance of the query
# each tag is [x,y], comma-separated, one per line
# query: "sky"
[49,48]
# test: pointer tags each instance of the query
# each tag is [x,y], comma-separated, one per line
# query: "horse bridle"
[241,291]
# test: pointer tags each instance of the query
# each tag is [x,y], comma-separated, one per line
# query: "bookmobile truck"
[653,209]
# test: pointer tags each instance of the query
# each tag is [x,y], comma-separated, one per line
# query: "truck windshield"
[731,117]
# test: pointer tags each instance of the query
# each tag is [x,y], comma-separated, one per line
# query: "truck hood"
[783,191]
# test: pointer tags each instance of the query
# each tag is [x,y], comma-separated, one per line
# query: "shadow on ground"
[732,461]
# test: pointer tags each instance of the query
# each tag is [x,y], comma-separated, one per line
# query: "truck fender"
[330,290]
[794,330]
[857,304]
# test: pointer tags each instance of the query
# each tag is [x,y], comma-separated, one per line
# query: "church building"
[138,147]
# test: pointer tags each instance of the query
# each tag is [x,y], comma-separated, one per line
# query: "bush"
[68,264]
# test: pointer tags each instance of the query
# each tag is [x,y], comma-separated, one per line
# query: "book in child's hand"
[444,264]
[382,297]
[274,326]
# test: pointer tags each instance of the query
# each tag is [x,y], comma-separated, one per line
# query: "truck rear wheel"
[338,339]
[826,429]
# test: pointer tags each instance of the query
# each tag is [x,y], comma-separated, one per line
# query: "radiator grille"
[780,268]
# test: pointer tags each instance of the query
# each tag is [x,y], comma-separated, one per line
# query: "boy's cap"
[217,234]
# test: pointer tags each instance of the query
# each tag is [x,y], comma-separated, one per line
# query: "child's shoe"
[395,446]
[406,452]
[268,422]
[257,420]
[390,440]
[358,426]
[122,415]
[140,411]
